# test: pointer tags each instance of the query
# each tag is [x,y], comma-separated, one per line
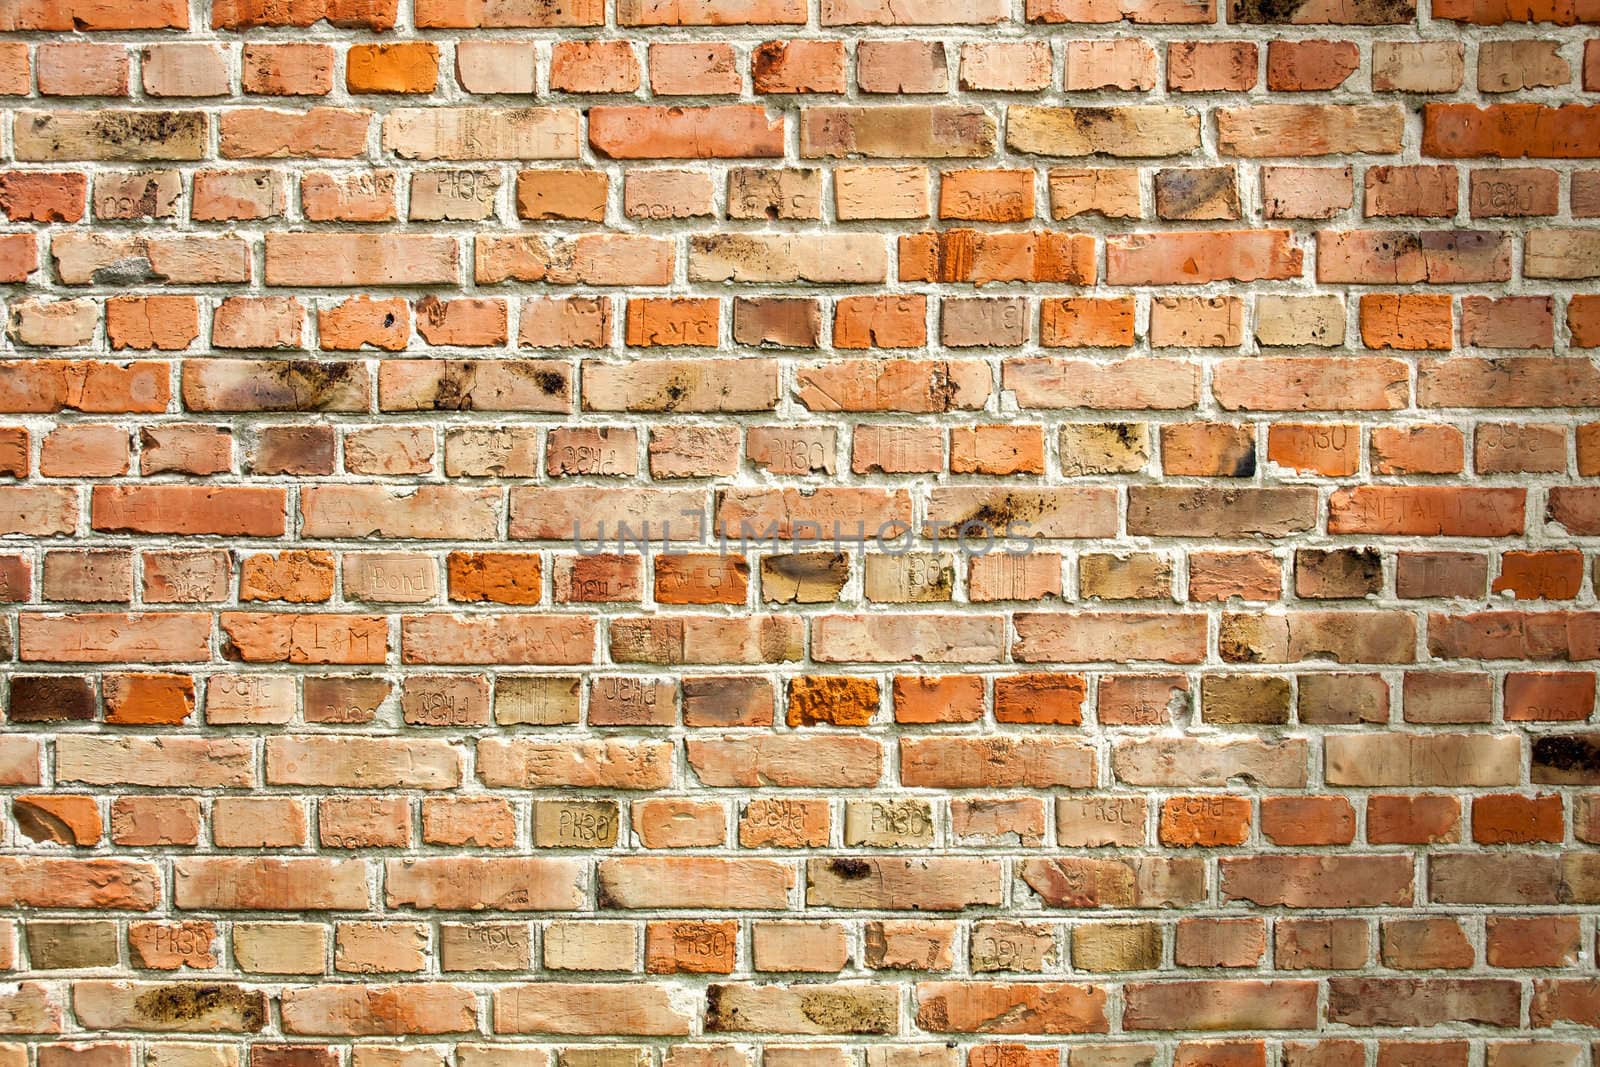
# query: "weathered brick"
[463,649]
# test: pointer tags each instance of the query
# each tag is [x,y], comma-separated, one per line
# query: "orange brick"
[1409,321]
[1205,821]
[412,67]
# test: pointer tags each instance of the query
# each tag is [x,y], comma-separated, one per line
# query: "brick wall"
[341,336]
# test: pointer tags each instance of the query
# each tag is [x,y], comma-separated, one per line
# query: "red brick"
[1211,66]
[1511,131]
[1508,819]
[1304,66]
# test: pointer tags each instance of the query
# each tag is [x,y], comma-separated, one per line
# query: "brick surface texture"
[1220,376]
